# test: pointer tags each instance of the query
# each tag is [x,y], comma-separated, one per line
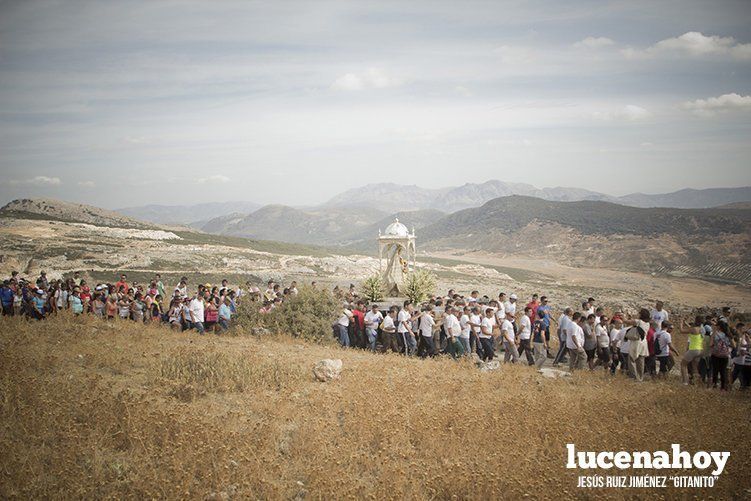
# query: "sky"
[127,103]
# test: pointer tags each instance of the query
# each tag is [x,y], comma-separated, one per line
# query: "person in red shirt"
[85,292]
[123,283]
[533,305]
[358,325]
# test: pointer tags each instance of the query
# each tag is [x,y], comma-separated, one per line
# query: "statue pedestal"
[388,302]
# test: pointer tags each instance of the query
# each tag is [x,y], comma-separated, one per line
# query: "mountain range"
[390,198]
[711,243]
[393,197]
[193,215]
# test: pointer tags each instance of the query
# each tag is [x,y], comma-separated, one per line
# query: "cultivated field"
[96,410]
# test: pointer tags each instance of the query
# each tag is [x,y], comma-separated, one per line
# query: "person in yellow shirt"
[694,352]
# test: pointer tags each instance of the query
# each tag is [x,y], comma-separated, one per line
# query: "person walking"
[525,333]
[466,329]
[638,347]
[342,325]
[373,319]
[575,342]
[721,345]
[563,326]
[664,347]
[539,342]
[486,335]
[511,351]
[404,328]
[388,330]
[427,323]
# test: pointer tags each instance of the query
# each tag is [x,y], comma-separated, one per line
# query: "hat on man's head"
[512,296]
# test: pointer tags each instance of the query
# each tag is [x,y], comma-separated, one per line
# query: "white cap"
[512,296]
[40,291]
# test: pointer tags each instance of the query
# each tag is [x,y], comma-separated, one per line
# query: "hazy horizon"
[174,103]
[199,202]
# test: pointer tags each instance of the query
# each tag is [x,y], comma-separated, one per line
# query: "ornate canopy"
[397,255]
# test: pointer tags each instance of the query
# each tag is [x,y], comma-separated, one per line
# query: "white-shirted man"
[509,339]
[575,342]
[373,319]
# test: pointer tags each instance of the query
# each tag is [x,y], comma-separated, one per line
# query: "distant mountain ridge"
[393,197]
[187,214]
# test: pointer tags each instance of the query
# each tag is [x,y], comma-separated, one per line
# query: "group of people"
[717,352]
[460,326]
[205,308]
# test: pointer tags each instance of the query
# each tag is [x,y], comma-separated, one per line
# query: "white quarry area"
[127,232]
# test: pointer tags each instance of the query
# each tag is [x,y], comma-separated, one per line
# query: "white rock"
[492,365]
[327,369]
[553,373]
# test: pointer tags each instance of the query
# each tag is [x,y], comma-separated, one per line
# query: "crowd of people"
[204,308]
[717,353]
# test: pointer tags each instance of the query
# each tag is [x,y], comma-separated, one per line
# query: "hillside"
[287,224]
[187,214]
[111,410]
[58,210]
[710,243]
[510,214]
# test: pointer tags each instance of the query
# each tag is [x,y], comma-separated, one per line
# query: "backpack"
[721,347]
[635,333]
[656,344]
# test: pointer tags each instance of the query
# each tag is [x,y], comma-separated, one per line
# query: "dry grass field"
[96,410]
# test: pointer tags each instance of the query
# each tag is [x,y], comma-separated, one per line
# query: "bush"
[419,285]
[307,315]
[373,288]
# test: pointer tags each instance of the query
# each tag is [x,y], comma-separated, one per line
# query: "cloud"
[720,104]
[373,78]
[86,184]
[36,181]
[630,112]
[215,179]
[695,44]
[516,54]
[463,91]
[594,43]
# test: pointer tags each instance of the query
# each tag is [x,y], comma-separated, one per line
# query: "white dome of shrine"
[396,229]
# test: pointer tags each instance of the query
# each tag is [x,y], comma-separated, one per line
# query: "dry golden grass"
[95,410]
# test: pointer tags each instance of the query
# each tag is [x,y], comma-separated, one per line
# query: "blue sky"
[133,102]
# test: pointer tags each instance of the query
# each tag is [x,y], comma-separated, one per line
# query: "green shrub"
[307,315]
[419,285]
[373,288]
